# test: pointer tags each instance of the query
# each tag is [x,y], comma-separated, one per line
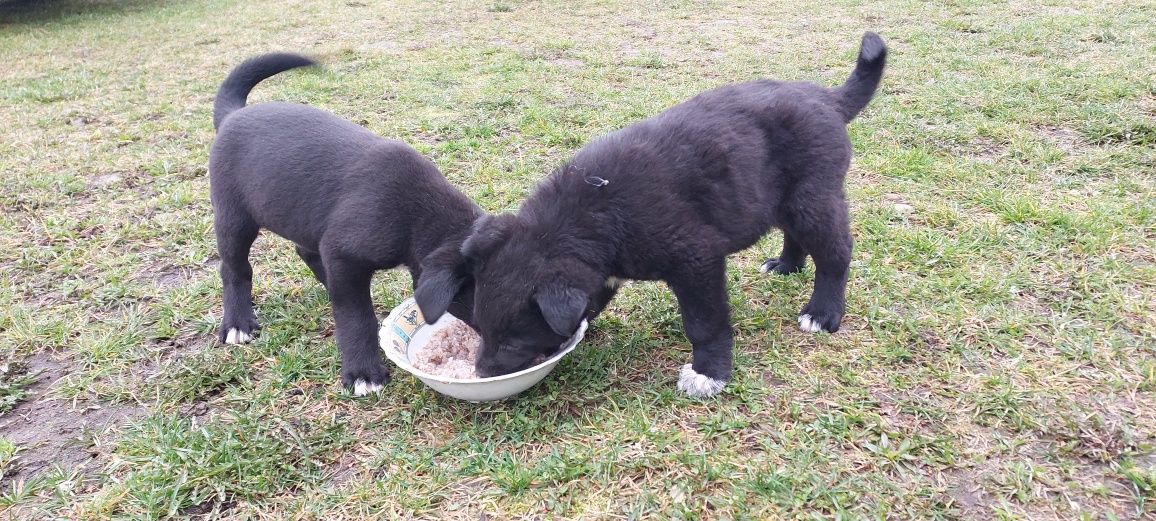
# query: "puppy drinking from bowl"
[351,201]
[668,199]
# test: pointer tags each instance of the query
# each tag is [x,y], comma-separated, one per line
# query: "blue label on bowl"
[400,332]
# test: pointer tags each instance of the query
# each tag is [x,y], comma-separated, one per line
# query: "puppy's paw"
[366,380]
[238,331]
[811,321]
[236,336]
[807,325]
[362,388]
[778,266]
[698,385]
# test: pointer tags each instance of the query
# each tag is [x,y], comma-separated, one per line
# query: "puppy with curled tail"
[352,202]
[668,199]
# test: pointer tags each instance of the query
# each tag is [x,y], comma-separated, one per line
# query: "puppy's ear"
[488,233]
[462,305]
[562,307]
[435,292]
[443,274]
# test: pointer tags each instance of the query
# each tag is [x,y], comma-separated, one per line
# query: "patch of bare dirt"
[567,63]
[963,487]
[1031,303]
[103,180]
[382,47]
[1148,105]
[166,276]
[771,380]
[343,470]
[892,413]
[986,150]
[166,353]
[628,51]
[212,509]
[986,480]
[51,431]
[1065,139]
[120,179]
[641,29]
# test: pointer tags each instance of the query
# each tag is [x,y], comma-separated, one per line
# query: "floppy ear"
[562,307]
[488,233]
[443,273]
[435,292]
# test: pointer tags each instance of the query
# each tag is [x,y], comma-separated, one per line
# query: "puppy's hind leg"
[313,260]
[235,236]
[702,298]
[824,232]
[791,259]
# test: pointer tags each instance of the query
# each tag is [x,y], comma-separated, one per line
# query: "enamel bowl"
[404,333]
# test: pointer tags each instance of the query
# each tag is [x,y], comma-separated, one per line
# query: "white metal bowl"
[404,333]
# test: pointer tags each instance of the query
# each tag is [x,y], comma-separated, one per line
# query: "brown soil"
[54,432]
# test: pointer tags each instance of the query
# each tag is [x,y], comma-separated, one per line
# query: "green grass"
[998,359]
[14,384]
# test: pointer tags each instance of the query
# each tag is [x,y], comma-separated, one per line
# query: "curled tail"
[247,75]
[857,91]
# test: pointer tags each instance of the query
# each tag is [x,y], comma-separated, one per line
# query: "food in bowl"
[450,352]
[404,334]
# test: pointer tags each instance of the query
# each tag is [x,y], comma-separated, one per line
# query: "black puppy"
[668,198]
[351,201]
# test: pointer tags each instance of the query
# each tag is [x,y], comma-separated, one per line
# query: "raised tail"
[247,75]
[858,90]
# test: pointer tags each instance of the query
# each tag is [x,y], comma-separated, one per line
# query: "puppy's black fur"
[668,198]
[351,201]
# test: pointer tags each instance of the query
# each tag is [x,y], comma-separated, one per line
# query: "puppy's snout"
[487,367]
[487,371]
[501,362]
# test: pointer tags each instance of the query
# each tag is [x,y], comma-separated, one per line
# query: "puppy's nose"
[486,368]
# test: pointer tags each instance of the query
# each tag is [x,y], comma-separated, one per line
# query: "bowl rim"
[405,364]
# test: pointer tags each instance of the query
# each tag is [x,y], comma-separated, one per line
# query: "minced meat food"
[451,352]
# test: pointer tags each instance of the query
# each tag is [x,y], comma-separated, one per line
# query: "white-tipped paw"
[698,385]
[362,388]
[236,336]
[808,325]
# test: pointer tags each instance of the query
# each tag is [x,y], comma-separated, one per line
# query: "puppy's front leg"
[362,370]
[702,298]
[602,298]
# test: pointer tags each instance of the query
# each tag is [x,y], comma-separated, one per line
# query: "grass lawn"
[998,359]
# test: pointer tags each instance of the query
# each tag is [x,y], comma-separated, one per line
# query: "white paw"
[808,325]
[698,385]
[362,388]
[766,267]
[236,336]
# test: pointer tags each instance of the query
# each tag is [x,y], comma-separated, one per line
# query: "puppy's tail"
[858,90]
[247,75]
